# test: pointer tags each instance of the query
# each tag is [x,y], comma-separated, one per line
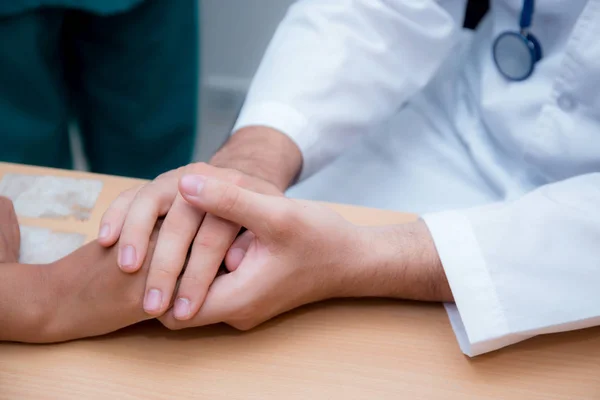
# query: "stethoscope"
[516,53]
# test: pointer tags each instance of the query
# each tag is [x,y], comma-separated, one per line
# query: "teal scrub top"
[96,6]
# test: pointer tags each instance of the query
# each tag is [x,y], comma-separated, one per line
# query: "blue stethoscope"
[516,53]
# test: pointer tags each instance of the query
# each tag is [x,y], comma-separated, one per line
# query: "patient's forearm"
[94,296]
[25,294]
[84,294]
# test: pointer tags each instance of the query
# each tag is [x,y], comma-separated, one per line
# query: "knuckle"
[151,189]
[175,235]
[193,280]
[159,189]
[121,203]
[164,274]
[184,216]
[143,193]
[236,177]
[207,241]
[148,204]
[130,193]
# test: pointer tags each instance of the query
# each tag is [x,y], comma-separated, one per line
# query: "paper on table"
[43,246]
[51,197]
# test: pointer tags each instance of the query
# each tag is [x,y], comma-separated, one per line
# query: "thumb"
[230,202]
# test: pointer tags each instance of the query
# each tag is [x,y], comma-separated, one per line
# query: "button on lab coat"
[394,106]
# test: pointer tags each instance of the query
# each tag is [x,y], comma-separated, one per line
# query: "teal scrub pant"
[128,81]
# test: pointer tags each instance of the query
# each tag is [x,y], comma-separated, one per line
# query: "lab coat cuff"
[286,120]
[476,315]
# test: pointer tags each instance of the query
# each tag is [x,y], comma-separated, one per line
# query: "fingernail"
[182,308]
[153,300]
[192,184]
[104,231]
[127,258]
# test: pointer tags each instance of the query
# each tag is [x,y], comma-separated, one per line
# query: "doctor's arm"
[298,252]
[333,70]
[523,268]
[507,272]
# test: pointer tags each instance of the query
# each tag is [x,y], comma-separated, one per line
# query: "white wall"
[235,34]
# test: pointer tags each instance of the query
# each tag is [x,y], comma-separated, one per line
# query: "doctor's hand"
[132,216]
[293,253]
[299,252]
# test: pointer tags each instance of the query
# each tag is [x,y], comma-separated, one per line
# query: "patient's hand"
[92,296]
[10,236]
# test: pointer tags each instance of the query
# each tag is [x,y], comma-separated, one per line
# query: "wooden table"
[334,350]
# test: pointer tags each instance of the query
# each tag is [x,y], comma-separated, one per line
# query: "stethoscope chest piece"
[516,53]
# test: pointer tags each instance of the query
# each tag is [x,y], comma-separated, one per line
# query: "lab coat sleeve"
[523,268]
[335,68]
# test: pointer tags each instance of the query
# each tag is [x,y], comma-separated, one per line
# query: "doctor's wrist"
[261,152]
[401,262]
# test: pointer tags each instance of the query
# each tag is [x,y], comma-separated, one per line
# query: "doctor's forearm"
[261,152]
[400,262]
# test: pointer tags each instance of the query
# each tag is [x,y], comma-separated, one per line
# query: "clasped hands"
[161,245]
[292,253]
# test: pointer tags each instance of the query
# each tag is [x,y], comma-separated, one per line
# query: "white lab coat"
[393,105]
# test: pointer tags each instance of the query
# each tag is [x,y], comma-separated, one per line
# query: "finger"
[208,251]
[7,210]
[8,216]
[254,211]
[114,217]
[152,201]
[222,300]
[237,251]
[174,240]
